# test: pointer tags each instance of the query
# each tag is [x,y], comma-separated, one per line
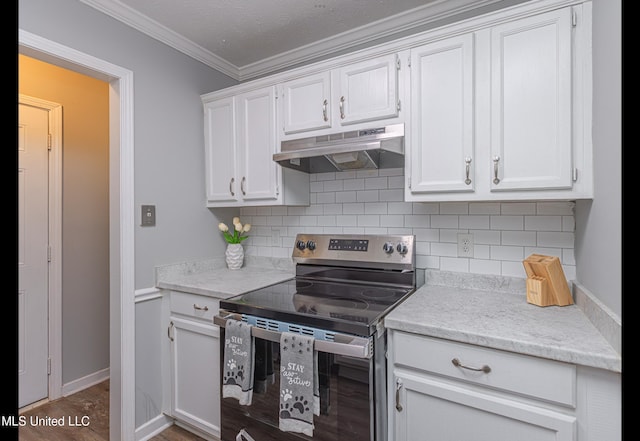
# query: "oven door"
[352,397]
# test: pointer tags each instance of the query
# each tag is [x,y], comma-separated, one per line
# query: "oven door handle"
[342,344]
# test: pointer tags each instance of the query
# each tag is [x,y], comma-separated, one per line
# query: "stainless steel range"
[344,285]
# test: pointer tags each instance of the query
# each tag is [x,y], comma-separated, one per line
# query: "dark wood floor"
[86,418]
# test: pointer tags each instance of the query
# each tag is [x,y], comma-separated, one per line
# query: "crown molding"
[396,24]
[152,28]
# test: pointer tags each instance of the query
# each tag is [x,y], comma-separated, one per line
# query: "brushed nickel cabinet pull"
[324,110]
[342,107]
[169,331]
[457,363]
[467,161]
[242,185]
[200,308]
[231,187]
[496,180]
[398,387]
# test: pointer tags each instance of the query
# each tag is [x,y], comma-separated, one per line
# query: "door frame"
[54,278]
[121,220]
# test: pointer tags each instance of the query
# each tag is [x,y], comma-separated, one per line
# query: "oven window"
[346,400]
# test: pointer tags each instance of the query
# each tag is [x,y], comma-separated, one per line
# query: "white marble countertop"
[498,316]
[212,277]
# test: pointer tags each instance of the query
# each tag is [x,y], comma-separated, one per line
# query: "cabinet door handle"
[398,387]
[342,107]
[496,180]
[169,331]
[242,185]
[231,187]
[324,110]
[467,161]
[457,363]
[200,308]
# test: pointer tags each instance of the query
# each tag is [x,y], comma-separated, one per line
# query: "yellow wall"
[85,210]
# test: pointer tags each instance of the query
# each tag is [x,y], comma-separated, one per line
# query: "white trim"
[143,295]
[83,383]
[152,28]
[55,242]
[122,220]
[153,427]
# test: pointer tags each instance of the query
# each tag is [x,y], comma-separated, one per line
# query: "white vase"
[234,255]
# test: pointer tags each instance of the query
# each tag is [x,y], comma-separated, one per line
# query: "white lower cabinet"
[447,391]
[195,363]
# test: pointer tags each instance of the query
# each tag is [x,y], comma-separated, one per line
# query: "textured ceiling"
[245,38]
[246,31]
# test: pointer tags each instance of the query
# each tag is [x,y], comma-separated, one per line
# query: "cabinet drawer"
[194,305]
[531,376]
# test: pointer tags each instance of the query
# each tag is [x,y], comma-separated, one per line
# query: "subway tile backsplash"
[371,202]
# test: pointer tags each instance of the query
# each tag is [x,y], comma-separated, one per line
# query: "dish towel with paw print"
[299,399]
[239,355]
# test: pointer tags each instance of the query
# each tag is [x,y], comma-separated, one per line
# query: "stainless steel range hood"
[381,147]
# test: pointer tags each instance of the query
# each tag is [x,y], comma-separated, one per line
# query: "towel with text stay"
[299,398]
[239,354]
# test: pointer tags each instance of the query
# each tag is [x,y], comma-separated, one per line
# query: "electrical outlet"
[465,245]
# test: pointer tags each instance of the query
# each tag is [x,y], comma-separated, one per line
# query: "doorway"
[39,249]
[121,220]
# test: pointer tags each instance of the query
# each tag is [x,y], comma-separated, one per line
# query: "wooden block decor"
[546,282]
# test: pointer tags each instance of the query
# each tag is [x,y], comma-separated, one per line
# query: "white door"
[531,103]
[368,90]
[220,151]
[33,243]
[442,116]
[306,103]
[256,145]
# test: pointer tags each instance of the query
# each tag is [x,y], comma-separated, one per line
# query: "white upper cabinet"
[350,96]
[240,140]
[305,103]
[220,150]
[501,112]
[442,116]
[367,90]
[531,103]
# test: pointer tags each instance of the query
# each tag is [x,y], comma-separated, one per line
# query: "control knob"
[301,245]
[402,248]
[388,247]
[311,245]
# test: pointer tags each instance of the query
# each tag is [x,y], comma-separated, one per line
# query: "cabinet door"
[258,173]
[195,363]
[220,150]
[441,155]
[305,103]
[531,142]
[430,409]
[367,91]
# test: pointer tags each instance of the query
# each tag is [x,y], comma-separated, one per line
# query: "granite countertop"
[495,314]
[213,278]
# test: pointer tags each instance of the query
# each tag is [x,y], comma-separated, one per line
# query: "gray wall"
[169,169]
[598,244]
[169,136]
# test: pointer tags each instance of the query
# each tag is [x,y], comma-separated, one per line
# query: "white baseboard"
[82,383]
[153,427]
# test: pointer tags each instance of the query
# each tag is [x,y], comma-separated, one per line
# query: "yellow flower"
[235,220]
[238,227]
[246,228]
[222,227]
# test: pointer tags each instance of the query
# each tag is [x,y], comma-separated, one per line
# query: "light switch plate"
[148,216]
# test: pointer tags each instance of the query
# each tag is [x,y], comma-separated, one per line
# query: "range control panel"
[349,244]
[371,251]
